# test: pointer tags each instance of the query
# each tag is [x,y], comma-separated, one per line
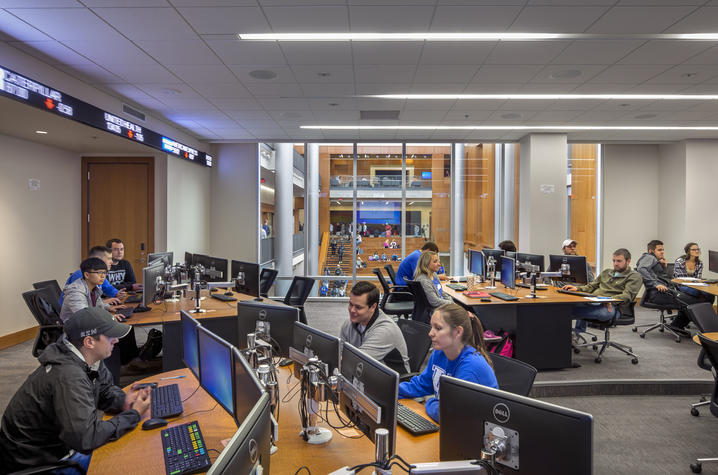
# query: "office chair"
[711,348]
[670,267]
[266,281]
[706,320]
[618,319]
[422,309]
[38,301]
[51,468]
[661,325]
[418,344]
[513,375]
[394,303]
[54,294]
[298,293]
[392,277]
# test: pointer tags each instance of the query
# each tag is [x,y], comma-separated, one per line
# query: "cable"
[184,416]
[195,390]
[488,467]
[303,467]
[291,393]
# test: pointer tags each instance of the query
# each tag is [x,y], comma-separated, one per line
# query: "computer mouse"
[150,424]
[229,293]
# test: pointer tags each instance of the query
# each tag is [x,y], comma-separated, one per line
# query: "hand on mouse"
[142,401]
[112,301]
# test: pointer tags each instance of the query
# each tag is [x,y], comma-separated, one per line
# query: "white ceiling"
[179,59]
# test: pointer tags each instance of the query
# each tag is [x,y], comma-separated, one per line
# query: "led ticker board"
[40,96]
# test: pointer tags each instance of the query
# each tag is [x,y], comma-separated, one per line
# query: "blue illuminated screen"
[215,359]
[508,272]
[476,262]
[190,354]
[379,212]
[426,175]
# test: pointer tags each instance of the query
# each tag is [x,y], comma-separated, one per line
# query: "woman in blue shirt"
[459,351]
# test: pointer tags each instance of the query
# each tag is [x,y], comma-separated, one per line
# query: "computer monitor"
[577,265]
[151,277]
[190,350]
[476,263]
[248,449]
[313,342]
[281,320]
[166,257]
[510,254]
[379,383]
[543,438]
[534,259]
[188,259]
[247,388]
[508,272]
[713,261]
[496,254]
[215,269]
[246,276]
[215,368]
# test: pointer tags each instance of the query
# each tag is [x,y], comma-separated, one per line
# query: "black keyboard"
[457,287]
[413,422]
[184,449]
[528,286]
[224,298]
[503,296]
[126,312]
[166,401]
[133,299]
[575,292]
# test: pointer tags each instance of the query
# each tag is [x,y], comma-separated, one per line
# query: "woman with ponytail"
[459,351]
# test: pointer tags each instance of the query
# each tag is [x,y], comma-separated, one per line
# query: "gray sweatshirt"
[77,296]
[381,339]
[432,293]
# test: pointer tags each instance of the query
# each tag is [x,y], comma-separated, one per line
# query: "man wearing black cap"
[53,416]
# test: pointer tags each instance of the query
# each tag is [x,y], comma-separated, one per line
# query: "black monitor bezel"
[299,344]
[247,289]
[210,262]
[184,316]
[494,253]
[555,261]
[222,341]
[713,261]
[149,292]
[473,252]
[246,324]
[522,257]
[247,383]
[512,278]
[169,255]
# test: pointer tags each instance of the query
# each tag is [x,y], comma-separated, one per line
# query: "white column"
[283,218]
[457,210]
[311,209]
[507,213]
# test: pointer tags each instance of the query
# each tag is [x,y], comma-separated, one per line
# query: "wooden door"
[118,201]
[583,199]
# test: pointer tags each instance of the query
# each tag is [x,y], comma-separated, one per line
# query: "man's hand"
[138,400]
[136,287]
[118,316]
[121,294]
[112,301]
[661,288]
[572,288]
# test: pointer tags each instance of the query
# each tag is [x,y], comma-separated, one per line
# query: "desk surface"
[550,295]
[710,335]
[709,289]
[141,451]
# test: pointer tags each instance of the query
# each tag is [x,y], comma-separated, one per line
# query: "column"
[457,210]
[543,202]
[283,219]
[311,209]
[507,202]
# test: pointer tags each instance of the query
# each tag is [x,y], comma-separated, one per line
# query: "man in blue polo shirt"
[408,265]
[108,290]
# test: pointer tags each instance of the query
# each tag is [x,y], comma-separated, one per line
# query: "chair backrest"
[299,291]
[703,316]
[39,303]
[711,349]
[53,285]
[669,269]
[382,280]
[266,280]
[391,273]
[422,308]
[418,342]
[513,375]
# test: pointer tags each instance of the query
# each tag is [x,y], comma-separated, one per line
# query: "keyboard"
[166,401]
[503,296]
[457,287]
[575,292]
[413,422]
[184,449]
[224,298]
[126,312]
[133,299]
[528,286]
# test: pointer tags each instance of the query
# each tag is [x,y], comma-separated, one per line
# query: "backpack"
[153,345]
[503,347]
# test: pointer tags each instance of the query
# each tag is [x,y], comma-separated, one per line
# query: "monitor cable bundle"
[491,271]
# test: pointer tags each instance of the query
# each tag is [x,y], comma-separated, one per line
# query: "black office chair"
[618,319]
[54,292]
[394,303]
[422,309]
[38,301]
[661,325]
[391,273]
[706,320]
[298,293]
[711,348]
[266,281]
[513,375]
[51,468]
[418,344]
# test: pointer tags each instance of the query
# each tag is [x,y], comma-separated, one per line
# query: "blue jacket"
[106,287]
[407,266]
[469,366]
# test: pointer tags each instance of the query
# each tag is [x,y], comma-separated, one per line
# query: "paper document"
[696,284]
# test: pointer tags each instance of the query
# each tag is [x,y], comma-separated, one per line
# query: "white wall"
[672,198]
[630,199]
[701,197]
[188,207]
[41,229]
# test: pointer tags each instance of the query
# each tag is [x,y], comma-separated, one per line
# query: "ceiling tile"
[13,28]
[311,73]
[384,73]
[666,52]
[93,73]
[236,104]
[559,19]
[431,105]
[555,116]
[493,88]
[317,52]
[218,3]
[638,20]
[470,52]
[373,103]
[142,73]
[574,105]
[220,91]
[700,21]
[526,52]
[601,88]
[284,74]
[596,51]
[629,74]
[308,18]
[383,88]
[510,73]
[673,106]
[279,104]
[274,89]
[248,115]
[39,3]
[469,105]
[193,106]
[210,74]
[567,73]
[67,23]
[225,20]
[445,73]
[473,116]
[548,88]
[123,51]
[526,105]
[686,74]
[340,103]
[422,115]
[709,56]
[125,3]
[147,23]
[436,87]
[451,18]
[182,52]
[390,18]
[330,116]
[247,52]
[168,91]
[51,52]
[391,52]
[324,90]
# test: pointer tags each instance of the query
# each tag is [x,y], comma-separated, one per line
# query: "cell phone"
[485,299]
[143,385]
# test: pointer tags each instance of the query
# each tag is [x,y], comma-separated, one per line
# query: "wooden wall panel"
[583,199]
[479,189]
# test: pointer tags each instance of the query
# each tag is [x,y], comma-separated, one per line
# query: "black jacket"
[55,410]
[121,275]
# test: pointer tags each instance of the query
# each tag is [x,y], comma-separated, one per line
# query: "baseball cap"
[94,321]
[568,242]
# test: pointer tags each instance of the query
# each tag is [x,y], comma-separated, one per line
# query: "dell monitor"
[246,277]
[215,368]
[281,320]
[577,268]
[379,383]
[476,263]
[248,450]
[215,269]
[508,272]
[496,254]
[511,254]
[533,259]
[713,261]
[165,257]
[151,278]
[542,438]
[247,388]
[313,342]
[188,259]
[190,351]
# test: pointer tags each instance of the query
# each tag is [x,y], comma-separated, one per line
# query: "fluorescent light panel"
[559,97]
[502,127]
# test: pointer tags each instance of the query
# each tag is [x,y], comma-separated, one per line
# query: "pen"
[173,377]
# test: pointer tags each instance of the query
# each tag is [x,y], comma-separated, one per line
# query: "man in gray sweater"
[373,332]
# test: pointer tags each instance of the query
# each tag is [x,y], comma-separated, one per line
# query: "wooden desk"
[709,289]
[710,335]
[141,451]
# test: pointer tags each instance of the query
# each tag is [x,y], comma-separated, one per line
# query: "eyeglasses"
[98,272]
[695,249]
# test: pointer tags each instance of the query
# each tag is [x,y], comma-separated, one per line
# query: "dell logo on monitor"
[308,341]
[359,370]
[501,412]
[253,451]
[262,314]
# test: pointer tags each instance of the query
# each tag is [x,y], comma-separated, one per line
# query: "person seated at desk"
[121,275]
[621,283]
[101,252]
[459,351]
[425,274]
[408,265]
[507,246]
[690,265]
[53,416]
[86,292]
[569,249]
[372,331]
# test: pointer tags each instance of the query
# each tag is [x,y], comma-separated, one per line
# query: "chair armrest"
[400,297]
[52,467]
[398,288]
[406,377]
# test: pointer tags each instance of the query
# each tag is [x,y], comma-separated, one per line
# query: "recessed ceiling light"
[509,127]
[168,91]
[290,115]
[333,104]
[688,75]
[324,75]
[566,74]
[625,104]
[511,115]
[645,116]
[263,74]
[558,97]
[41,132]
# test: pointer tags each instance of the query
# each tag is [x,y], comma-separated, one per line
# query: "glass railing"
[266,246]
[367,181]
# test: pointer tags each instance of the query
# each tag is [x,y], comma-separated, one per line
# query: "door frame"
[85,226]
